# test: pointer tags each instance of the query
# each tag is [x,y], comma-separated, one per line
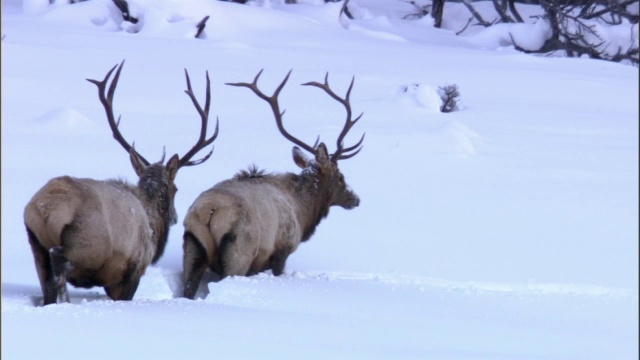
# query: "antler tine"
[275,107]
[357,146]
[342,152]
[107,103]
[204,116]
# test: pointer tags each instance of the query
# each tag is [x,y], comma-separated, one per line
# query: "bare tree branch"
[570,33]
[123,6]
[501,8]
[476,14]
[514,11]
[615,7]
[200,26]
[345,10]
[421,10]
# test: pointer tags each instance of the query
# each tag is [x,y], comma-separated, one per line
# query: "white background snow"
[507,229]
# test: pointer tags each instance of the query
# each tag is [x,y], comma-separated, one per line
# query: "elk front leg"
[124,290]
[279,259]
[194,265]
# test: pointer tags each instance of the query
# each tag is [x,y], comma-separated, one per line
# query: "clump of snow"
[526,36]
[156,285]
[458,137]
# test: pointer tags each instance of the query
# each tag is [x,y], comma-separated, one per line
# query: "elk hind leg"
[233,259]
[59,266]
[43,268]
[194,264]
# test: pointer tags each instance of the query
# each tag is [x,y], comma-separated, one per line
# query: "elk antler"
[204,116]
[106,98]
[275,107]
[342,152]
[107,102]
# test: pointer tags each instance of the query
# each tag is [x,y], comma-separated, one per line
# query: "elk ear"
[322,155]
[172,166]
[138,164]
[300,158]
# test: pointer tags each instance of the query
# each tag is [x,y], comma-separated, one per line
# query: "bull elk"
[254,221]
[105,233]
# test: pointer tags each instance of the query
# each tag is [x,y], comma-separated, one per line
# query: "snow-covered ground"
[507,229]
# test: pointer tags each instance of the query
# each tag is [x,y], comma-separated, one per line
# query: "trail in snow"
[405,317]
[162,284]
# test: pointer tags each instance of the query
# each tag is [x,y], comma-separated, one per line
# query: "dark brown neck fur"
[154,195]
[314,200]
[152,191]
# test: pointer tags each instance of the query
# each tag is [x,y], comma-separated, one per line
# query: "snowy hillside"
[507,229]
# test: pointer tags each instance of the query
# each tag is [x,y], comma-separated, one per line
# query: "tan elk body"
[106,233]
[254,221]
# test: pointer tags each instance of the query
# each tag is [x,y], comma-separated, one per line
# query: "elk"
[105,233]
[254,221]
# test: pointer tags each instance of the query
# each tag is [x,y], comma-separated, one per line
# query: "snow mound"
[456,138]
[154,285]
[420,94]
[62,120]
[416,106]
[383,35]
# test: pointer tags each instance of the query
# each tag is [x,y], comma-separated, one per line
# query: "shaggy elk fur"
[254,221]
[105,233]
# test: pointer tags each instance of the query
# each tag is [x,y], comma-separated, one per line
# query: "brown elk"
[105,233]
[254,221]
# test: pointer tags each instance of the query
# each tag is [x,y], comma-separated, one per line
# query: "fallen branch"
[200,26]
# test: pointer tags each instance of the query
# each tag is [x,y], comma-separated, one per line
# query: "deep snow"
[508,229]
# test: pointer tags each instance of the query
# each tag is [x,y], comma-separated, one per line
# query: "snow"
[507,229]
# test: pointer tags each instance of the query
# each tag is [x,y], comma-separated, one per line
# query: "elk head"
[324,166]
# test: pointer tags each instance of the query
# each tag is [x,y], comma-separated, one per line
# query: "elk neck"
[153,192]
[314,199]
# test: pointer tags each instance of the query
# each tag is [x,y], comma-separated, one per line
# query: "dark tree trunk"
[436,13]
